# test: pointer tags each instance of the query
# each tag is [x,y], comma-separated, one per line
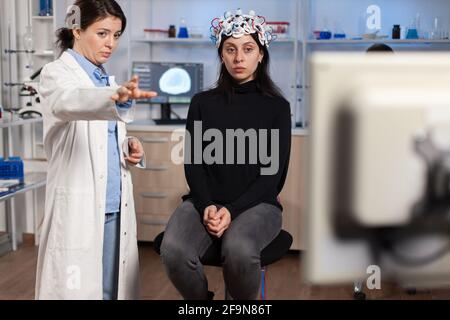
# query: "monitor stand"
[166,110]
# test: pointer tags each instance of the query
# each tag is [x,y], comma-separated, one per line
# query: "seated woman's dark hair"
[265,85]
[91,11]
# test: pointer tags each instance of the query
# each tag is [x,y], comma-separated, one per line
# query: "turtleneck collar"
[249,86]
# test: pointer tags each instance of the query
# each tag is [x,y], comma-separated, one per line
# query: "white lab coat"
[75,139]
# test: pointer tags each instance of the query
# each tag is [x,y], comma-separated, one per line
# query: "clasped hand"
[216,221]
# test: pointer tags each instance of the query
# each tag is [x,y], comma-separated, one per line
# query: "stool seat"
[270,254]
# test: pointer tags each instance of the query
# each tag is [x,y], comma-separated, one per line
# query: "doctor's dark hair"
[264,83]
[91,11]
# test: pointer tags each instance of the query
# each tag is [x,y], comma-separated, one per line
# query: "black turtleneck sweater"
[236,186]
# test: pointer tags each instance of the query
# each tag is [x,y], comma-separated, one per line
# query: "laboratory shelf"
[6,123]
[44,54]
[45,18]
[32,180]
[176,40]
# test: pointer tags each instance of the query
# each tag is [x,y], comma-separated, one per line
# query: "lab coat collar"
[94,71]
[70,61]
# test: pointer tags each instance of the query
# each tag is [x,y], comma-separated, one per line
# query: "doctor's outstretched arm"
[67,100]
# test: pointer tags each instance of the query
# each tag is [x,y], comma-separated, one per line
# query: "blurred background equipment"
[379,186]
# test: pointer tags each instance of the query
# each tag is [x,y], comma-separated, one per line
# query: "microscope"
[32,108]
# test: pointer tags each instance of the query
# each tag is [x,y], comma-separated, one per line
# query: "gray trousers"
[186,241]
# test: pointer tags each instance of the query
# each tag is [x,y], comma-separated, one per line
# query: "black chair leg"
[358,293]
[227,294]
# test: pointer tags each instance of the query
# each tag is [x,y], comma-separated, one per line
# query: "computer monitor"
[378,185]
[175,83]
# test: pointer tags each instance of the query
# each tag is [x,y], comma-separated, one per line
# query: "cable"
[419,261]
[415,261]
[176,114]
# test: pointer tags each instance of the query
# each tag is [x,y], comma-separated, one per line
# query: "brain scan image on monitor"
[175,81]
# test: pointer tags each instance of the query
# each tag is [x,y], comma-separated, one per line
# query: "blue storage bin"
[12,168]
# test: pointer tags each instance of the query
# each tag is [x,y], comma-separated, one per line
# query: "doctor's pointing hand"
[130,90]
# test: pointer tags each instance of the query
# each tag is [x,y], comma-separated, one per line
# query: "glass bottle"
[46,8]
[28,46]
[412,31]
[182,31]
[338,31]
[172,31]
[396,31]
[436,31]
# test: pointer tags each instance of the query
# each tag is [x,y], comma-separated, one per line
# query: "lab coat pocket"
[73,227]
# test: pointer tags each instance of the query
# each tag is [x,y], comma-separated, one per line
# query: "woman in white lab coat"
[88,245]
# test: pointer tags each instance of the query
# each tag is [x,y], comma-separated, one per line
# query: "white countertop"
[149,125]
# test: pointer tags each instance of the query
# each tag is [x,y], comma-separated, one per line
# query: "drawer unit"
[159,173]
[149,226]
[157,188]
[292,195]
[157,145]
[157,200]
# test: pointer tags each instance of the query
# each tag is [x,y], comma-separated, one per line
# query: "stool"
[270,254]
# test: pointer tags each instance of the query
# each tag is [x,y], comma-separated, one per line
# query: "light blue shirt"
[113,186]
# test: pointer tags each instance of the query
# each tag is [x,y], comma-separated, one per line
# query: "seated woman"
[233,182]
